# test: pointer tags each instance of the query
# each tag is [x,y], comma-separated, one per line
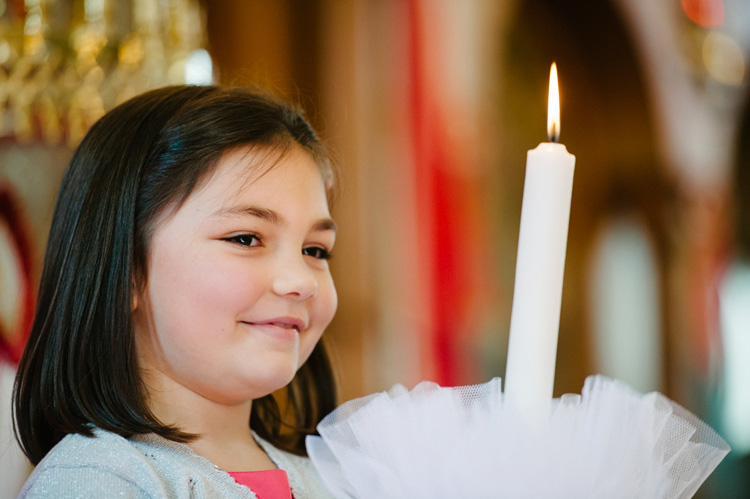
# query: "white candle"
[542,240]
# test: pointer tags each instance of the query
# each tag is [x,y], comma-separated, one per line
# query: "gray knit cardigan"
[149,466]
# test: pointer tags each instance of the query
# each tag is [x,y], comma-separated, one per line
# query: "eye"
[244,239]
[317,252]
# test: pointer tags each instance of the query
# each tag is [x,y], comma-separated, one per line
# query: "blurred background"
[430,107]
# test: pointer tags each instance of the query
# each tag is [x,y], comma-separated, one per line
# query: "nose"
[294,279]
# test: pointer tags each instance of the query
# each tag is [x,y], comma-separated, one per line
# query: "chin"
[275,381]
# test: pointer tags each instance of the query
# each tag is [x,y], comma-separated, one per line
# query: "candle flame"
[553,106]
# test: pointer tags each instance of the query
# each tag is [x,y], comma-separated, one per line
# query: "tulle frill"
[437,442]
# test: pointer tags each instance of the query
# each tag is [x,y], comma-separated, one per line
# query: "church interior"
[429,108]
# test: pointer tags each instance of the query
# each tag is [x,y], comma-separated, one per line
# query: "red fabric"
[268,484]
[424,176]
[446,220]
[13,342]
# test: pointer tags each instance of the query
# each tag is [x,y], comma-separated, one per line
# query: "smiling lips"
[280,325]
[284,325]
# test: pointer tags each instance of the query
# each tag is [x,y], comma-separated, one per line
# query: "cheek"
[324,309]
[202,290]
[329,299]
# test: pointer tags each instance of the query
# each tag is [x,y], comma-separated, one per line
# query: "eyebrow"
[274,217]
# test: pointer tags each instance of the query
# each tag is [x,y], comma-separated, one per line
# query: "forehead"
[257,171]
[281,178]
[241,169]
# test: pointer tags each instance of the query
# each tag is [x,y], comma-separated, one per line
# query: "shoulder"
[99,466]
[145,466]
[303,478]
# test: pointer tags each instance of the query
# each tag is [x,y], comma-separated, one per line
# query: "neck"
[223,430]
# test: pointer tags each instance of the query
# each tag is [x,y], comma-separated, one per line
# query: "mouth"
[285,325]
[288,323]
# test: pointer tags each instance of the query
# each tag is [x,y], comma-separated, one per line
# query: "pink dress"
[268,484]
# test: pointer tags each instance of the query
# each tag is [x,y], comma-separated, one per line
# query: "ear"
[134,297]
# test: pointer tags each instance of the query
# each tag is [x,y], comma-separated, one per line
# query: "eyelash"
[239,237]
[322,253]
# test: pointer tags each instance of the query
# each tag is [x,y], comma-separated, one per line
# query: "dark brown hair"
[79,368]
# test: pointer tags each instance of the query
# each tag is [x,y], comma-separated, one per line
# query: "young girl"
[186,279]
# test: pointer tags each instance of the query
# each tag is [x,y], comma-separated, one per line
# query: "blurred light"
[723,58]
[94,10]
[735,329]
[199,68]
[130,52]
[625,312]
[33,24]
[705,13]
[5,51]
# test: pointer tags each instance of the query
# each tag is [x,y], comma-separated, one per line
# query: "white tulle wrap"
[435,442]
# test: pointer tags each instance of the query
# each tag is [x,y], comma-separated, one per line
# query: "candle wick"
[553,134]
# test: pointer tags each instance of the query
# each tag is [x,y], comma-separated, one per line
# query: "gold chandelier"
[63,63]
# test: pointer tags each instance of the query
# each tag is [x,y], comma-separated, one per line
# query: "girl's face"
[238,289]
